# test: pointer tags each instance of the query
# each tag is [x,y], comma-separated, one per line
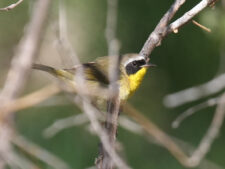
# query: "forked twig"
[164,28]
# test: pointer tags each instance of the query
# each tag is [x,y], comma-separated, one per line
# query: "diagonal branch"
[159,32]
[163,28]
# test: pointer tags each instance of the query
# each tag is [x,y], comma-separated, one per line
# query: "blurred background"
[188,58]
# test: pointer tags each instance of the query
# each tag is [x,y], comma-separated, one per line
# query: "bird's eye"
[134,63]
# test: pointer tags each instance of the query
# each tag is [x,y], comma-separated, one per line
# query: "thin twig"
[11,6]
[211,133]
[201,26]
[189,15]
[65,123]
[192,110]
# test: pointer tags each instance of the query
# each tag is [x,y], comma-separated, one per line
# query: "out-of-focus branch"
[141,127]
[204,146]
[104,160]
[211,133]
[91,112]
[164,28]
[39,153]
[64,47]
[192,110]
[26,52]
[31,99]
[195,93]
[11,6]
[65,123]
[111,27]
[153,130]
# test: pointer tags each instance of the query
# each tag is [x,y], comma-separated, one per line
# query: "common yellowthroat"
[132,69]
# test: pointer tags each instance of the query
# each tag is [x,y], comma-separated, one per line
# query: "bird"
[132,69]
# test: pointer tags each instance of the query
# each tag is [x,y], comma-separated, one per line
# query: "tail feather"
[44,68]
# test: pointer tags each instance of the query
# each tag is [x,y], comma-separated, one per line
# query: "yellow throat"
[129,86]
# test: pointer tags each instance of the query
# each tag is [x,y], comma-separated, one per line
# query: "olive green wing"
[92,72]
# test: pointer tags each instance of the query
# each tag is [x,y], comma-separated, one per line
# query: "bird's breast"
[130,84]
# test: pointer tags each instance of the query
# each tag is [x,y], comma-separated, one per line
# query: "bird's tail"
[45,68]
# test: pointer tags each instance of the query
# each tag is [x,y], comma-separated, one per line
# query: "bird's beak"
[149,65]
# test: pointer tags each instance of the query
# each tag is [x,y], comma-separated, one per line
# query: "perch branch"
[163,28]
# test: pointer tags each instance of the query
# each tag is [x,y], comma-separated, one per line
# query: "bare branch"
[159,32]
[27,50]
[137,128]
[64,46]
[189,15]
[163,28]
[91,112]
[64,123]
[192,110]
[31,99]
[11,6]
[211,133]
[104,160]
[195,93]
[110,30]
[161,137]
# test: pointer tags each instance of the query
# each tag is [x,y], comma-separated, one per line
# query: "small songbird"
[132,69]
